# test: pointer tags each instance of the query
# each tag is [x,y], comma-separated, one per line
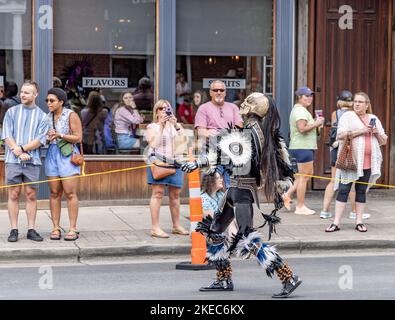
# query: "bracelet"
[22,148]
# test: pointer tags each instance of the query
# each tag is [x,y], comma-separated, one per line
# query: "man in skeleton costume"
[257,158]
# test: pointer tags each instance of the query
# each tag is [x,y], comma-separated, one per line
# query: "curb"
[122,251]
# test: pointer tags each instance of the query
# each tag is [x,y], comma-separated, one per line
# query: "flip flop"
[56,234]
[180,231]
[160,234]
[72,235]
[361,227]
[332,228]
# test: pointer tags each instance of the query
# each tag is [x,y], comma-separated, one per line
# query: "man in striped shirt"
[25,130]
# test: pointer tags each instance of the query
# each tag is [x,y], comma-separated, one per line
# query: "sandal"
[332,228]
[72,235]
[160,234]
[180,231]
[361,227]
[56,233]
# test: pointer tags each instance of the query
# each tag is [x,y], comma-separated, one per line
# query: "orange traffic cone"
[198,251]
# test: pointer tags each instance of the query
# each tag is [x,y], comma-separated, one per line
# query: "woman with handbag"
[360,134]
[161,135]
[65,132]
[344,104]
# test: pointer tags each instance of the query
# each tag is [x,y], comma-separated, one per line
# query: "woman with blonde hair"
[344,104]
[161,135]
[366,133]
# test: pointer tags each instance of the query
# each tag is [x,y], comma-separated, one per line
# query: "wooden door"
[355,60]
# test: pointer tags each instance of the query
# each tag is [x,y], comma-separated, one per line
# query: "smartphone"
[169,111]
[372,122]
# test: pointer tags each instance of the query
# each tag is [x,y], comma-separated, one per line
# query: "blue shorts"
[175,180]
[302,155]
[125,141]
[57,165]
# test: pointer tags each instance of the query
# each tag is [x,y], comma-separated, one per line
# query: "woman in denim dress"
[65,124]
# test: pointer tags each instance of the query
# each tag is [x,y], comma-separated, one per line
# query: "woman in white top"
[161,136]
[367,135]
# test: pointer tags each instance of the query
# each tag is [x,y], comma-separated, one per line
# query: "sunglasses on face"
[51,100]
[218,90]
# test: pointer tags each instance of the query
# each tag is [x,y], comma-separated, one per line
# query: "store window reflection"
[15,41]
[233,44]
[106,47]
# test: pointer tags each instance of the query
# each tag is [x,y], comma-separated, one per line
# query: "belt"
[242,182]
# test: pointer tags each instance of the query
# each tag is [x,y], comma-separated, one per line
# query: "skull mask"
[256,103]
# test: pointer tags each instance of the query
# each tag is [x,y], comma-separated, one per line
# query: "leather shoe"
[13,236]
[33,235]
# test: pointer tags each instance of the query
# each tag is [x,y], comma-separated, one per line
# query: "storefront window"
[229,40]
[106,47]
[15,41]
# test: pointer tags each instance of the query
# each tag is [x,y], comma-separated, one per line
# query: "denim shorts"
[57,165]
[125,141]
[302,155]
[16,173]
[175,180]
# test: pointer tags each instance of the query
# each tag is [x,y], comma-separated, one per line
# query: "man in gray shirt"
[25,130]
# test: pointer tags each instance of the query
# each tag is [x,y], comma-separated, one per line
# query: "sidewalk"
[124,231]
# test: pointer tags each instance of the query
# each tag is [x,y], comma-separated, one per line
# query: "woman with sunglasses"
[65,125]
[161,135]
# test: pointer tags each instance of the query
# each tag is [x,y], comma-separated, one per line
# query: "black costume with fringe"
[269,168]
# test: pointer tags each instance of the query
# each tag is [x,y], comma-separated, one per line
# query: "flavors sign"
[112,83]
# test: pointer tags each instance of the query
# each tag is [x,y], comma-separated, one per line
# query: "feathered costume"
[256,157]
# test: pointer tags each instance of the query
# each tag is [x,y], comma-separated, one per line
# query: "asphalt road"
[336,277]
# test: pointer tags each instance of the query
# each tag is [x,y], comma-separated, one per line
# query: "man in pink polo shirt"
[215,115]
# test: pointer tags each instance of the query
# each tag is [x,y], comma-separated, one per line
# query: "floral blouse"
[62,125]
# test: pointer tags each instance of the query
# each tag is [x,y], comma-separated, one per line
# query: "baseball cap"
[345,95]
[304,91]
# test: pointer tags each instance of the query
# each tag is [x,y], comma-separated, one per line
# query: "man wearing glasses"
[215,115]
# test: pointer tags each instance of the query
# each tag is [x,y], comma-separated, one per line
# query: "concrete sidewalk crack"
[79,252]
[130,226]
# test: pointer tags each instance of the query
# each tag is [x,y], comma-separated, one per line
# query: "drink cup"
[319,113]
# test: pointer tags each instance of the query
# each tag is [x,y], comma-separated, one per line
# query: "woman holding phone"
[367,136]
[161,136]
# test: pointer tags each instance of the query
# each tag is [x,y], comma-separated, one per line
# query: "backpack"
[333,132]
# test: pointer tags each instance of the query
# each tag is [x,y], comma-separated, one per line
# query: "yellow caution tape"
[75,177]
[348,181]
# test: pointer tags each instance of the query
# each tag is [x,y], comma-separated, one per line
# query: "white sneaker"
[304,211]
[325,215]
[353,216]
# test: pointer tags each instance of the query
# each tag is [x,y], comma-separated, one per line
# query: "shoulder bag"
[66,148]
[159,169]
[345,160]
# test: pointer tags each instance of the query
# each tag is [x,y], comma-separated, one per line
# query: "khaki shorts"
[21,173]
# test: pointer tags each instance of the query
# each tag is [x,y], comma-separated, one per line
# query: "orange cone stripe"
[198,251]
